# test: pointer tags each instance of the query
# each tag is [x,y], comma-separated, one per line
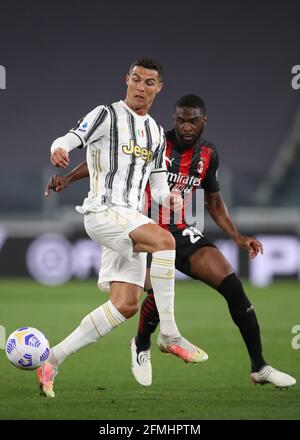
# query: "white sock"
[95,325]
[162,274]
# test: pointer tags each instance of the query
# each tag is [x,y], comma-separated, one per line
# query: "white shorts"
[115,267]
[111,229]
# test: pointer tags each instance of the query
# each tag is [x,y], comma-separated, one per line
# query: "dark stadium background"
[64,58]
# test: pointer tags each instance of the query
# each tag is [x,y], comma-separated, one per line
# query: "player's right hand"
[60,158]
[56,184]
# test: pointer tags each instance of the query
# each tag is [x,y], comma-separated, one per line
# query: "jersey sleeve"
[159,159]
[91,127]
[211,183]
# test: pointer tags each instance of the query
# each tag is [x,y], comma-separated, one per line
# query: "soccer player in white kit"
[125,149]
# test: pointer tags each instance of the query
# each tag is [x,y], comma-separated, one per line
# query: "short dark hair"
[192,101]
[148,63]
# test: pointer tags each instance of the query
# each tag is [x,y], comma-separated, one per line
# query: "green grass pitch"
[97,383]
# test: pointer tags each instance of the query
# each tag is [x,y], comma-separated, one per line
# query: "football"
[27,348]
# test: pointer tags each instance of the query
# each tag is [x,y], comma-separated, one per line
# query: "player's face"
[142,87]
[189,123]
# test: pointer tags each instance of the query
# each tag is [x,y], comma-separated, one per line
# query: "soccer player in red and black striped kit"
[192,162]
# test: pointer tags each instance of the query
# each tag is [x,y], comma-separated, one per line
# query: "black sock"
[149,320]
[243,315]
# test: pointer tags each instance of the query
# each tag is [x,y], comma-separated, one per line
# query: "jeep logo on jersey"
[138,151]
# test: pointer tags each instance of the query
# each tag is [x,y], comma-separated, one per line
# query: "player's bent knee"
[128,310]
[232,289]
[165,242]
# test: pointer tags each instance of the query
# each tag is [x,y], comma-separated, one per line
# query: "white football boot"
[268,374]
[141,365]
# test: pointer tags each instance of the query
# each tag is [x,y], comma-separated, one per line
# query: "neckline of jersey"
[131,111]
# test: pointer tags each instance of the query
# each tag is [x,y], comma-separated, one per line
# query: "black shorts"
[187,242]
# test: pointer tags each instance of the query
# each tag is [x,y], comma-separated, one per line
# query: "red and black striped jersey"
[188,168]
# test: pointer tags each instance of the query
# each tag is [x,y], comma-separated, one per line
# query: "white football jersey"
[123,148]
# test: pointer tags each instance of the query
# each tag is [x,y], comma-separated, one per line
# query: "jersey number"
[192,232]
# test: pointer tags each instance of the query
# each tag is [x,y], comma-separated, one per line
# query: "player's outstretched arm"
[61,147]
[58,183]
[219,213]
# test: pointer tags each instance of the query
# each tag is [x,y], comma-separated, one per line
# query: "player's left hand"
[57,184]
[252,245]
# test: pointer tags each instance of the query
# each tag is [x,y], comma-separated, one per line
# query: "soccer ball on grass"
[27,348]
